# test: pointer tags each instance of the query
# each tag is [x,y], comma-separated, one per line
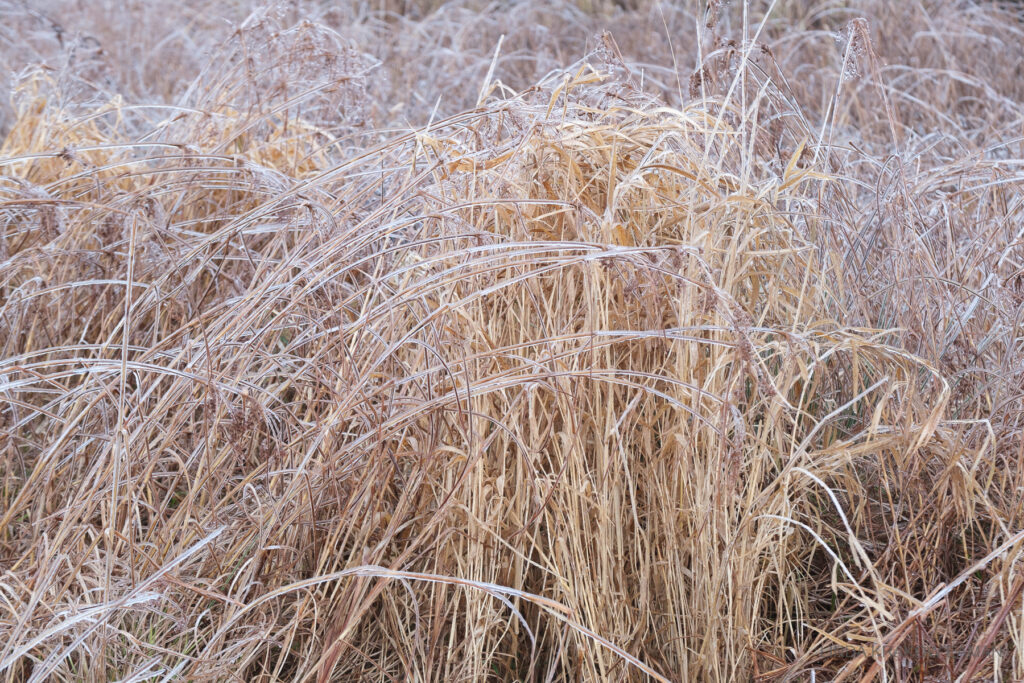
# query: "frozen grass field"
[511,341]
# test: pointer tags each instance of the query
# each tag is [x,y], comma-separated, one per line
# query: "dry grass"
[342,345]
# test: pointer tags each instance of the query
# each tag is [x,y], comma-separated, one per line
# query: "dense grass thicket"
[512,341]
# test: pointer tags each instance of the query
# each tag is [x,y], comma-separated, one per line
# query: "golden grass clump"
[635,373]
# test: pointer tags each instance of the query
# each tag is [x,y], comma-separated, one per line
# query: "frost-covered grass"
[435,341]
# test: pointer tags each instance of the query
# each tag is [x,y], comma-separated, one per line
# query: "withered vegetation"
[438,341]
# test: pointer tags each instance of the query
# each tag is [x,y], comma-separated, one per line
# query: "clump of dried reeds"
[643,370]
